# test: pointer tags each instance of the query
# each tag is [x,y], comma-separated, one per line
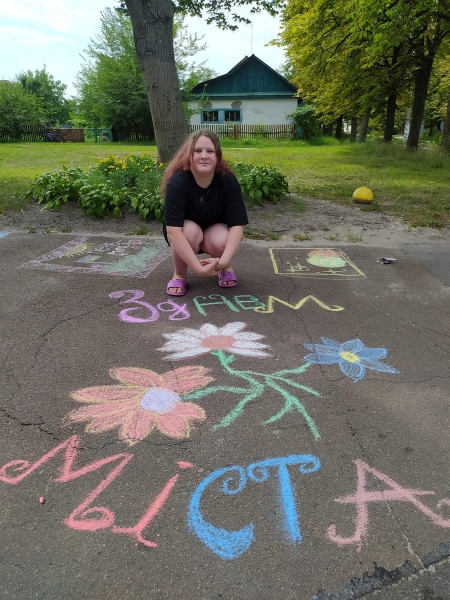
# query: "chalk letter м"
[231,544]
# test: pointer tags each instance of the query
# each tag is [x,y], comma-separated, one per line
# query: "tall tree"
[110,84]
[330,45]
[49,93]
[153,36]
[18,108]
[365,54]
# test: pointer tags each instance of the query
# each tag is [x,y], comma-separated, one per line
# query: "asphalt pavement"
[286,438]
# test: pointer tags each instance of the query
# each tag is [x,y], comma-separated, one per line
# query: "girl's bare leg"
[194,236]
[214,240]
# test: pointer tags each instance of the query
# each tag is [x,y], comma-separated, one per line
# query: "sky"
[34,33]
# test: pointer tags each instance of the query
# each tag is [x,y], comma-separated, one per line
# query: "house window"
[233,116]
[222,115]
[210,116]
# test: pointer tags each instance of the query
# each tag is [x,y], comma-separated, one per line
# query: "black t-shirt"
[221,202]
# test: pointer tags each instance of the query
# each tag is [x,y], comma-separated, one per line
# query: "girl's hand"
[208,267]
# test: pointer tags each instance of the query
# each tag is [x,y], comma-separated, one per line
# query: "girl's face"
[204,158]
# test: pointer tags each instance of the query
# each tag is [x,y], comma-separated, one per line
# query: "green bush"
[149,205]
[260,183]
[114,185]
[102,200]
[56,188]
[132,183]
[305,121]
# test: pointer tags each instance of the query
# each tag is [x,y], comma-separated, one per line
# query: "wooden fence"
[38,133]
[69,135]
[132,134]
[25,133]
[238,130]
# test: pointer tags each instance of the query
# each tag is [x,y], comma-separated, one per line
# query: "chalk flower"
[352,357]
[142,402]
[186,343]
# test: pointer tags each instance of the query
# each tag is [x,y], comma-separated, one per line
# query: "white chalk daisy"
[186,343]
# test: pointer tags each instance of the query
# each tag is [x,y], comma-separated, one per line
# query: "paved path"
[286,438]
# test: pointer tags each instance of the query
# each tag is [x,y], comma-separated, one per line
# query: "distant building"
[251,93]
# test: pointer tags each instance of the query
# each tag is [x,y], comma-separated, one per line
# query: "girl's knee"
[215,237]
[193,233]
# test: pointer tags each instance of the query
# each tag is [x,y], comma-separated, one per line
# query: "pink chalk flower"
[209,338]
[142,401]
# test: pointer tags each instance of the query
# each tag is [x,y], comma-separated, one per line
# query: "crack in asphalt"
[381,578]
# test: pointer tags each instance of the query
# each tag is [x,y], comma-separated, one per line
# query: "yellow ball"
[363,195]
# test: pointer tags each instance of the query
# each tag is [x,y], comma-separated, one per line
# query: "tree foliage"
[48,92]
[18,108]
[152,22]
[353,57]
[305,120]
[110,83]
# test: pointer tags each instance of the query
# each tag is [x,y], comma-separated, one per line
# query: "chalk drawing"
[316,263]
[3,233]
[224,343]
[232,544]
[142,402]
[86,517]
[244,302]
[272,299]
[353,357]
[178,313]
[395,493]
[119,257]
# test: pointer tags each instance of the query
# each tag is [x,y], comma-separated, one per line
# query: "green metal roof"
[251,77]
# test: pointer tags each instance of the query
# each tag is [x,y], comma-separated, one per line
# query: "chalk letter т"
[231,544]
[259,472]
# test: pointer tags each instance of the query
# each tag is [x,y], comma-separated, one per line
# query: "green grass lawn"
[414,186]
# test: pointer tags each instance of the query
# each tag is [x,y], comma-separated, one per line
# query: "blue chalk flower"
[352,357]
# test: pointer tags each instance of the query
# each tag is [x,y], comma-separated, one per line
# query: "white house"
[252,93]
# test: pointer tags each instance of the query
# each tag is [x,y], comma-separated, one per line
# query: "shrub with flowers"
[115,185]
[131,183]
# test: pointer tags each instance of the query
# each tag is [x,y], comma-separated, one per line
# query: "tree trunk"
[338,134]
[363,127]
[328,129]
[390,118]
[152,22]
[421,81]
[445,141]
[354,129]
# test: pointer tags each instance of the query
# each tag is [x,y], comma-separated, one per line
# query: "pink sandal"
[176,283]
[225,276]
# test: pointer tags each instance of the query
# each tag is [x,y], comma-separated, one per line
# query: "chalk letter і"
[362,497]
[222,300]
[231,544]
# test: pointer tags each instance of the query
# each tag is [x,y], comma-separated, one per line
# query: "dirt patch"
[322,222]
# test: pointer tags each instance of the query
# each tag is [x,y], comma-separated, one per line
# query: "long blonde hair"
[182,159]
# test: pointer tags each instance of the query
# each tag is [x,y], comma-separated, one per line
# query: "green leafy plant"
[57,188]
[102,200]
[260,183]
[305,121]
[149,205]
